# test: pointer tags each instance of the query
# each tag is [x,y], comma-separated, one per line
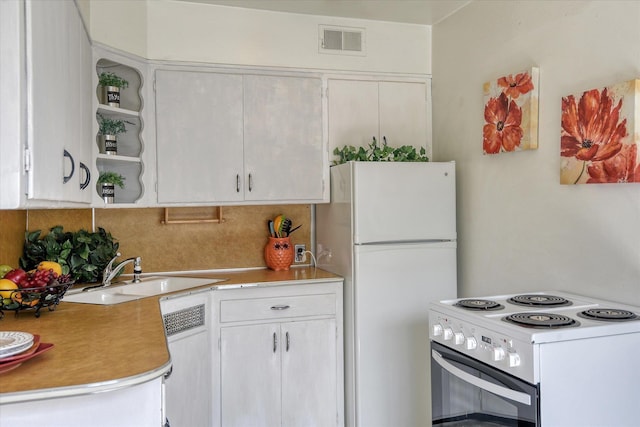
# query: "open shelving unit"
[128,160]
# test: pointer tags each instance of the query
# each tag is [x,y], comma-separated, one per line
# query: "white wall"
[84,6]
[195,32]
[121,24]
[519,229]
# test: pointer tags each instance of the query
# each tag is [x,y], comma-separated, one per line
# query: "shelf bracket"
[218,219]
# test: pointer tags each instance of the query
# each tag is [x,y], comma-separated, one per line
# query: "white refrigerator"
[390,231]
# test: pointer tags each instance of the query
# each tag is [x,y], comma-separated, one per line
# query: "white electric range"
[547,358]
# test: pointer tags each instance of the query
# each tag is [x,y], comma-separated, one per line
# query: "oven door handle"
[505,392]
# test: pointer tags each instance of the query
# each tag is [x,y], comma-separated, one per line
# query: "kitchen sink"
[147,287]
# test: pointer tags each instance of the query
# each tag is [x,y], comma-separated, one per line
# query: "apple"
[17,276]
[4,269]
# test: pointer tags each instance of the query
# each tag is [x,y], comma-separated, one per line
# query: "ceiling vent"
[341,40]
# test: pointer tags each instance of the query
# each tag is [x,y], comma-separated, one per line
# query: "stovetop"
[509,332]
[545,315]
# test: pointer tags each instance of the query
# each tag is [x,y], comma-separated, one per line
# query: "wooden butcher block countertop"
[97,347]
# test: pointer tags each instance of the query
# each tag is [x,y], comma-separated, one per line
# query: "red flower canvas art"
[511,113]
[598,140]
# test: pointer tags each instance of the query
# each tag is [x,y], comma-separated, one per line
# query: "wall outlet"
[301,256]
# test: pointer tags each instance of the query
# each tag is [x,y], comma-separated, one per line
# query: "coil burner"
[479,304]
[534,300]
[608,315]
[541,320]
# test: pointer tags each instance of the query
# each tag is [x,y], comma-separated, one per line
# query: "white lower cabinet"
[280,359]
[279,374]
[250,375]
[309,369]
[188,387]
[138,405]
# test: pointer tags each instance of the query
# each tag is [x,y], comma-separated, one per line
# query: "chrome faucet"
[110,272]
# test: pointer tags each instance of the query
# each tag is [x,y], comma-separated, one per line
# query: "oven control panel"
[491,347]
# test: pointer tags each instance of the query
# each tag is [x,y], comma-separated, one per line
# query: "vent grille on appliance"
[183,320]
[341,40]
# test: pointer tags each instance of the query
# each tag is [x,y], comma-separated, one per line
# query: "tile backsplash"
[238,242]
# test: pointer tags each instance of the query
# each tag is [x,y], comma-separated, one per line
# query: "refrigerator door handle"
[401,242]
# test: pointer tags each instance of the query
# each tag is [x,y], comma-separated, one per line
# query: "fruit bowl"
[35,298]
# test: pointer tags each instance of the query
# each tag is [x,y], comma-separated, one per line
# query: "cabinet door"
[403,113]
[49,121]
[86,182]
[309,373]
[78,100]
[250,375]
[353,113]
[199,137]
[188,395]
[283,138]
[188,390]
[360,110]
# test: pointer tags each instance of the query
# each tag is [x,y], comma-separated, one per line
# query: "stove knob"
[437,330]
[498,354]
[470,343]
[458,338]
[448,334]
[514,359]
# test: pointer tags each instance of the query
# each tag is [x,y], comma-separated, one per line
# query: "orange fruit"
[17,297]
[6,288]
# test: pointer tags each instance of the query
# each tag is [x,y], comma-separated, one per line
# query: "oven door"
[466,392]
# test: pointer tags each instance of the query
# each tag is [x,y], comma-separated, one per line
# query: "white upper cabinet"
[229,138]
[353,113]
[395,111]
[45,130]
[283,139]
[80,189]
[199,137]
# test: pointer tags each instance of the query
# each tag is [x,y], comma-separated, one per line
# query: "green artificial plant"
[380,153]
[107,78]
[108,126]
[82,254]
[109,177]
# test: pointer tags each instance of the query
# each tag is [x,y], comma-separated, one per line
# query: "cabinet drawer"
[277,307]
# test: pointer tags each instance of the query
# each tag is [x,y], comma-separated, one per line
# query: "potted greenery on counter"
[82,254]
[107,182]
[380,153]
[110,86]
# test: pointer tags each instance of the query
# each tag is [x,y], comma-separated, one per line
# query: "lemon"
[6,288]
[50,265]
